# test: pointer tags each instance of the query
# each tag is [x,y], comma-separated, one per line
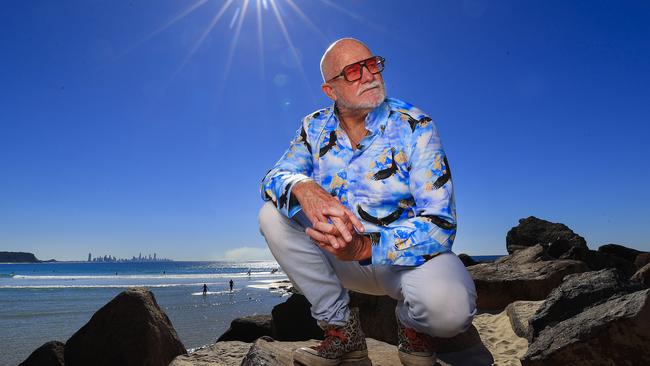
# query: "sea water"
[40,302]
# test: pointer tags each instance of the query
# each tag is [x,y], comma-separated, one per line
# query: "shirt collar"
[373,120]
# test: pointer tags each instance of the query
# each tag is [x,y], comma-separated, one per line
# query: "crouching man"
[363,200]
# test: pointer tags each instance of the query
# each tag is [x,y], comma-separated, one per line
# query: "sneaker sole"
[408,359]
[310,359]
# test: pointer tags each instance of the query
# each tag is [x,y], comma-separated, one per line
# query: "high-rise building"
[89,257]
[154,256]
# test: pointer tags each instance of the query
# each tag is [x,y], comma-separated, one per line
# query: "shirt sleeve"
[294,166]
[429,225]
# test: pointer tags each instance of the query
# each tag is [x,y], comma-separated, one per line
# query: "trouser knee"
[444,314]
[268,217]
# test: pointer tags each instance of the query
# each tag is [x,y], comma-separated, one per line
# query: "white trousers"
[437,297]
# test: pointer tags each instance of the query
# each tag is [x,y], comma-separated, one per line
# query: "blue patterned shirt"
[397,181]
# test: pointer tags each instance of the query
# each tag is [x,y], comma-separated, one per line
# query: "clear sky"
[146,126]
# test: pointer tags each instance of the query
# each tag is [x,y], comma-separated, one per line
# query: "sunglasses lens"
[374,65]
[352,72]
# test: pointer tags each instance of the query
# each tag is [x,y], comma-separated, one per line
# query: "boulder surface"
[532,231]
[614,332]
[130,330]
[49,354]
[524,275]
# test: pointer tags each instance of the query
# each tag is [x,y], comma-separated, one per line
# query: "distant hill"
[17,257]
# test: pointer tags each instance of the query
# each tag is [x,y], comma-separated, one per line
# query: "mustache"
[372,85]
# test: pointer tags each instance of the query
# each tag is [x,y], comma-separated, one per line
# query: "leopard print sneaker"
[345,343]
[415,348]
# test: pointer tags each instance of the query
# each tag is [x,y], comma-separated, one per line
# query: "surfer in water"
[205,289]
[231,285]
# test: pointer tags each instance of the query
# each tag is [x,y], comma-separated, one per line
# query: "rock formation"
[130,330]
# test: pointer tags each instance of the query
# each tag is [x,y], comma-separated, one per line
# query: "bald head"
[340,54]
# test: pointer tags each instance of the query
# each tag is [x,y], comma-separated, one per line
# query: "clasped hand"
[333,225]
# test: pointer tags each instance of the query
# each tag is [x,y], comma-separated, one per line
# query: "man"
[363,200]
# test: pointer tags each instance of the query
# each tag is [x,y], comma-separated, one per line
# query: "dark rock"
[521,276]
[643,276]
[532,231]
[49,354]
[130,330]
[535,253]
[596,260]
[377,316]
[228,353]
[641,260]
[248,329]
[615,332]
[519,314]
[577,292]
[292,320]
[466,259]
[620,251]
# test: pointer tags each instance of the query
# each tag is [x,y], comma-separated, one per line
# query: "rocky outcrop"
[17,257]
[130,330]
[642,276]
[519,314]
[620,251]
[611,333]
[596,260]
[532,231]
[577,292]
[248,329]
[524,275]
[292,320]
[49,354]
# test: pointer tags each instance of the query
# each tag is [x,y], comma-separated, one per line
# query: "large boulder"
[620,251]
[292,320]
[519,314]
[532,231]
[596,260]
[49,354]
[577,292]
[642,276]
[131,330]
[521,276]
[248,329]
[614,332]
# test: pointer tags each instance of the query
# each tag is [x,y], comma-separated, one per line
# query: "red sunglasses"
[353,72]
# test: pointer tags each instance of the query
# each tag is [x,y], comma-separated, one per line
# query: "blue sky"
[134,126]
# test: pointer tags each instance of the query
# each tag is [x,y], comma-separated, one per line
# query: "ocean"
[40,302]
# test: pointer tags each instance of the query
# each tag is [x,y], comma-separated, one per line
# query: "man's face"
[365,93]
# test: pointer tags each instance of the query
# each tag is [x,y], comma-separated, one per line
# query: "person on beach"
[231,285]
[363,200]
[205,289]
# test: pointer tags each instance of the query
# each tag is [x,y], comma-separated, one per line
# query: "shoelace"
[330,334]
[418,341]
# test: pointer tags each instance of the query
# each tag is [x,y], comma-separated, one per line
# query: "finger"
[355,221]
[319,235]
[326,228]
[342,229]
[327,247]
[316,235]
